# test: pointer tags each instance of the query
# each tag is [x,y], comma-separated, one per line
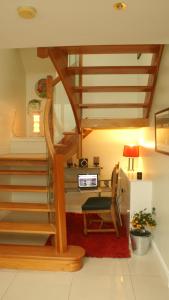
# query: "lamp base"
[131,164]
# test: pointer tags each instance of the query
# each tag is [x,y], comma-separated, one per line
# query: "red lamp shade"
[131,151]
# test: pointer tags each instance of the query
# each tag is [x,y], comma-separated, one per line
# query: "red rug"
[96,244]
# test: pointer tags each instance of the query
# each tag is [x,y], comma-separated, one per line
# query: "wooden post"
[59,202]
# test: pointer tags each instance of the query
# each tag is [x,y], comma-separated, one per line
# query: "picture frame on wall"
[162,131]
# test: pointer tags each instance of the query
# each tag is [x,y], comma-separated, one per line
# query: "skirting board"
[163,264]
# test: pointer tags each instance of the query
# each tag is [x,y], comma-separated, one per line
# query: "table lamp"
[131,152]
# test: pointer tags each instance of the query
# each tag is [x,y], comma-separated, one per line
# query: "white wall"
[12,103]
[12,97]
[108,145]
[158,164]
[35,69]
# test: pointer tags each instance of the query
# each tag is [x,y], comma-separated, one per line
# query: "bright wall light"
[36,123]
[146,144]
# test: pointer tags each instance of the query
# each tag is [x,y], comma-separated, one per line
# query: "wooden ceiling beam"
[112,70]
[110,49]
[114,123]
[121,89]
[111,105]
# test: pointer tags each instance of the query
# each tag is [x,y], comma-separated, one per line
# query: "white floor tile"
[90,287]
[149,288]
[136,278]
[6,278]
[106,266]
[39,285]
[122,288]
[147,264]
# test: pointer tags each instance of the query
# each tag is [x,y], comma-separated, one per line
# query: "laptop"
[87,181]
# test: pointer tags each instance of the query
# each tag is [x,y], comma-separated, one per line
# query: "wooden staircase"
[76,92]
[58,256]
[9,166]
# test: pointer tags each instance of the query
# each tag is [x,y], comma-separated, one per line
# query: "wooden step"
[110,49]
[112,70]
[23,172]
[25,207]
[60,146]
[25,159]
[41,258]
[69,133]
[13,227]
[112,105]
[23,188]
[109,89]
[114,123]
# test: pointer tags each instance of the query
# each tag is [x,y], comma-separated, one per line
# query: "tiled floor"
[137,278]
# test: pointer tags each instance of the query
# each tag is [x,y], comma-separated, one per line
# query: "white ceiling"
[88,22]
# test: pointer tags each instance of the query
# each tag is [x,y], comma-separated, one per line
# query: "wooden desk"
[99,190]
[71,174]
[75,198]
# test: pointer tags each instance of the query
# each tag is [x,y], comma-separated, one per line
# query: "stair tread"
[23,156]
[112,69]
[11,250]
[37,228]
[31,207]
[23,172]
[70,133]
[22,188]
[90,89]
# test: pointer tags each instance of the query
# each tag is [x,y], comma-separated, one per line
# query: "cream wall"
[35,69]
[108,145]
[12,97]
[12,103]
[157,164]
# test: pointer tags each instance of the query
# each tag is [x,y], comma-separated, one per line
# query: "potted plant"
[142,223]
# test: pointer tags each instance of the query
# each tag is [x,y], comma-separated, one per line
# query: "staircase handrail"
[57,166]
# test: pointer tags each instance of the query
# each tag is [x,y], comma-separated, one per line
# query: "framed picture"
[162,131]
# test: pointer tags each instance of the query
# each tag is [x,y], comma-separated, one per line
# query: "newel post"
[58,185]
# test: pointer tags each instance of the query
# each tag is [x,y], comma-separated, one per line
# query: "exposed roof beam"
[112,70]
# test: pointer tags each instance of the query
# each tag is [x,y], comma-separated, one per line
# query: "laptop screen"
[87,181]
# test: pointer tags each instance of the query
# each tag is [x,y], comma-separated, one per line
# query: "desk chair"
[101,206]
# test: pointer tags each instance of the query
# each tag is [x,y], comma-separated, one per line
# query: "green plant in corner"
[142,222]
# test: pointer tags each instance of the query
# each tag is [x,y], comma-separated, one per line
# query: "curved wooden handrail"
[57,166]
[47,129]
[48,108]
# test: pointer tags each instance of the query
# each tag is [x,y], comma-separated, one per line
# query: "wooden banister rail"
[56,162]
[47,119]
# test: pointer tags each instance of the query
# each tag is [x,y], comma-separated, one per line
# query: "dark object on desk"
[96,160]
[69,163]
[106,183]
[139,175]
[102,206]
[83,162]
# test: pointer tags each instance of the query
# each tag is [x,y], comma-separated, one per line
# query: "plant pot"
[140,243]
